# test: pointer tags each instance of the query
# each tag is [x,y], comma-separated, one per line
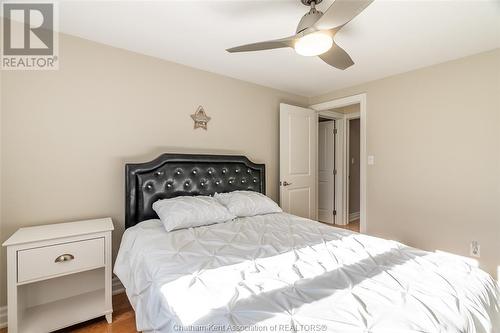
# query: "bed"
[279,272]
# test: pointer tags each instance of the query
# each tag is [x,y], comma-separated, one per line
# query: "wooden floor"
[353,226]
[123,314]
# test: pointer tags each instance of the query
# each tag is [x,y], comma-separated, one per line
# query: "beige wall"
[435,134]
[66,134]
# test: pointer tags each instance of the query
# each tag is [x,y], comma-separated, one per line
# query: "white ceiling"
[389,37]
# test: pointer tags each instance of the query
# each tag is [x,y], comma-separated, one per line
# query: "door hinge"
[335,131]
[335,172]
[334,212]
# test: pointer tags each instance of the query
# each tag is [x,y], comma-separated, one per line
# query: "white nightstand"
[59,275]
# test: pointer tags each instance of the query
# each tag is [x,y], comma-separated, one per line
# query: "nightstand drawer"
[58,259]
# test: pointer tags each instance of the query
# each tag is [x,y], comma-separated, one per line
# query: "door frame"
[341,102]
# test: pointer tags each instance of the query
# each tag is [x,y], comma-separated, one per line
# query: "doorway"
[298,151]
[339,167]
[349,152]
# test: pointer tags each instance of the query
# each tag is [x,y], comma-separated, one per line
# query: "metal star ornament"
[200,118]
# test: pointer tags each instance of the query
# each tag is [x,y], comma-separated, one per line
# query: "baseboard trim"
[353,216]
[117,288]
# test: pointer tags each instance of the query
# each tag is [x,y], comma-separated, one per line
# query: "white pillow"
[186,212]
[247,203]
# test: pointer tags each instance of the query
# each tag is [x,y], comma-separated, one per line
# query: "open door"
[298,151]
[326,172]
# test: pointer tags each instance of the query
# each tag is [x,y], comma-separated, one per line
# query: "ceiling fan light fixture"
[313,44]
[315,33]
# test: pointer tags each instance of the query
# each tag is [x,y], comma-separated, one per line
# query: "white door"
[298,171]
[326,175]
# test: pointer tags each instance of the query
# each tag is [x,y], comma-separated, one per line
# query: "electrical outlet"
[475,249]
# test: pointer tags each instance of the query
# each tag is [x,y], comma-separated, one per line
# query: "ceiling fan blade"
[337,57]
[340,13]
[267,45]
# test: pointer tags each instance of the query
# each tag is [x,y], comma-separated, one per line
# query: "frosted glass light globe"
[313,44]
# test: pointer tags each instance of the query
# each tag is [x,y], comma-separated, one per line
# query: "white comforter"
[282,273]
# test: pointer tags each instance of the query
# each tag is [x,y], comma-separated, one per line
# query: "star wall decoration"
[200,118]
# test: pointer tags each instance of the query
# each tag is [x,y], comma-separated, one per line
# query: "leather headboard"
[173,175]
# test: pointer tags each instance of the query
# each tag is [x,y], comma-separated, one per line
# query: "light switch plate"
[371,160]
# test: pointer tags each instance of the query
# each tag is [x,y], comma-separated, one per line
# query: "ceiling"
[389,37]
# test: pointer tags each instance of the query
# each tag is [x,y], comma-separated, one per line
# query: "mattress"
[282,273]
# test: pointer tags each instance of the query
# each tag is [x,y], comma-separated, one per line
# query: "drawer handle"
[64,257]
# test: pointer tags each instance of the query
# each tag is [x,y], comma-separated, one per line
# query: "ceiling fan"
[315,33]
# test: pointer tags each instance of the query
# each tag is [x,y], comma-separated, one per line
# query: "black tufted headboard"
[173,175]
